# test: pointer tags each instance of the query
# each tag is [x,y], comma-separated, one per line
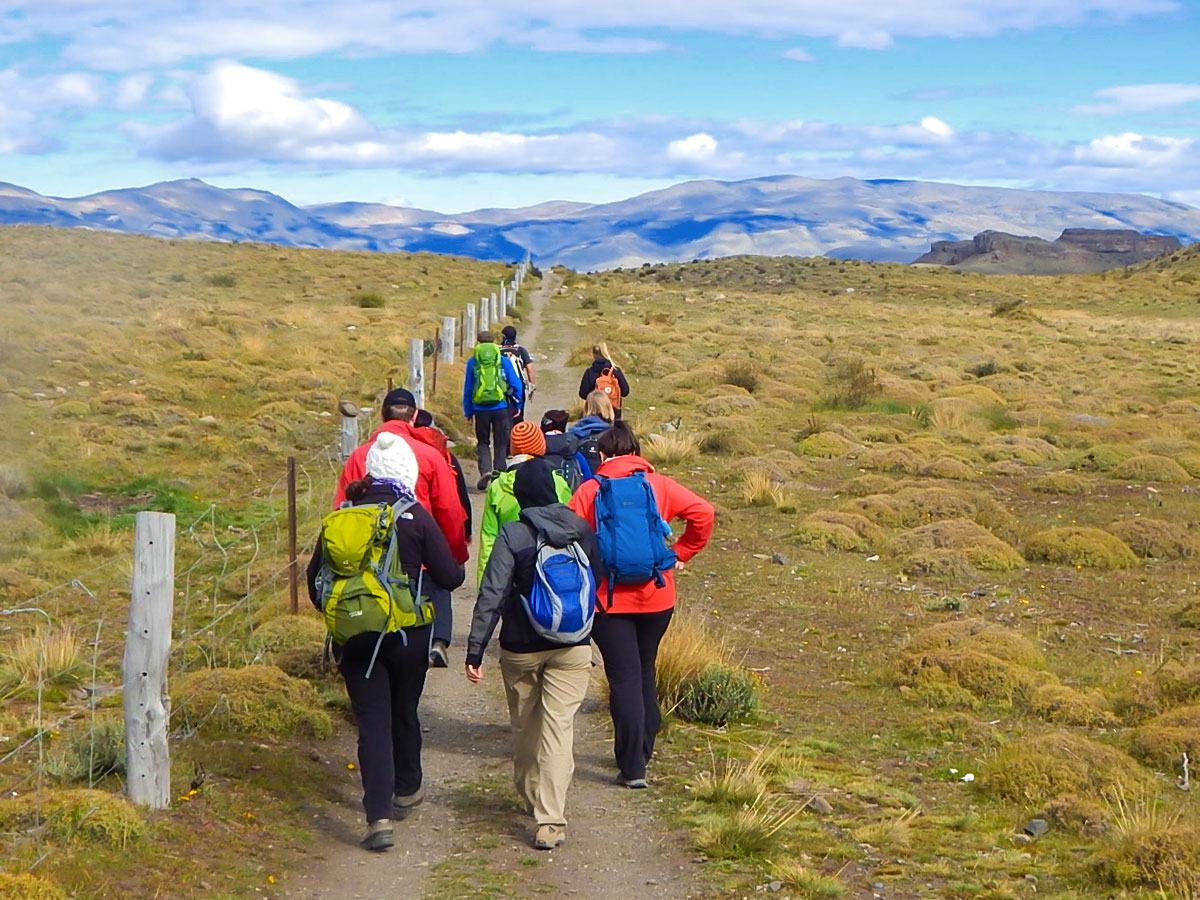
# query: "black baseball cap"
[400,397]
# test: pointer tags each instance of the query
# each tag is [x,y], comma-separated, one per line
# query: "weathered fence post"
[144,670]
[349,429]
[416,370]
[437,352]
[469,329]
[496,314]
[447,339]
[293,566]
[484,314]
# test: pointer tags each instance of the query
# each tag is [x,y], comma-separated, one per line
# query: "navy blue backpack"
[631,533]
[562,599]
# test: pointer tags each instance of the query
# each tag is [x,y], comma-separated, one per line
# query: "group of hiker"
[574,547]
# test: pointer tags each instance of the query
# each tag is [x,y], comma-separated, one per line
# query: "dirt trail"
[468,838]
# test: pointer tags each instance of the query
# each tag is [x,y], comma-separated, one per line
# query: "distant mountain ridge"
[1075,252]
[783,215]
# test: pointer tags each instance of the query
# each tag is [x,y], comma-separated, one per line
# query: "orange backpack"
[607,381]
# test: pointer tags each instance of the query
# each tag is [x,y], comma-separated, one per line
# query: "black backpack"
[560,456]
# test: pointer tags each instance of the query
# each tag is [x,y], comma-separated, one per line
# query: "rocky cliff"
[1075,251]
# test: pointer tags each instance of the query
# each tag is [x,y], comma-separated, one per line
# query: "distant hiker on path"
[629,504]
[523,363]
[545,677]
[598,417]
[426,471]
[491,390]
[500,506]
[602,375]
[381,630]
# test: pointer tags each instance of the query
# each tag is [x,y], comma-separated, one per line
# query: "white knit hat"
[391,457]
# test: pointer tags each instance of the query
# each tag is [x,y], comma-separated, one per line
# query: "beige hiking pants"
[544,692]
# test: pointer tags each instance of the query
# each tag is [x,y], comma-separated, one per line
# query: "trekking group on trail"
[574,546]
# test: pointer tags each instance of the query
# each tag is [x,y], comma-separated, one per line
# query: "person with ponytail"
[631,619]
[604,375]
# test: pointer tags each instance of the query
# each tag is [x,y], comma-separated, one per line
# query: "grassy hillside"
[958,524]
[144,374]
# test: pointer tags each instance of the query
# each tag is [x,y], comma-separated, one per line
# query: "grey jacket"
[510,573]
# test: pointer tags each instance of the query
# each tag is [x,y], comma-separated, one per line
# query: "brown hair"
[618,441]
[399,411]
[598,404]
[600,351]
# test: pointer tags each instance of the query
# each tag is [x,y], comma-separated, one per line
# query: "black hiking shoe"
[438,657]
[379,836]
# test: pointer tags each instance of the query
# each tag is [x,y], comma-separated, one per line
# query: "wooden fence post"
[469,329]
[416,370]
[144,670]
[447,339]
[496,314]
[437,352]
[293,566]
[349,430]
[484,314]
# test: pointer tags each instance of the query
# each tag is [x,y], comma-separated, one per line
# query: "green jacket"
[501,507]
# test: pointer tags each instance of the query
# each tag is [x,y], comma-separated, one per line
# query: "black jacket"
[420,544]
[588,383]
[509,575]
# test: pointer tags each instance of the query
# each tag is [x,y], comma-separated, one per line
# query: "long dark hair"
[619,440]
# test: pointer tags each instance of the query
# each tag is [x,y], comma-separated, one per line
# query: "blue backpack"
[631,533]
[562,600]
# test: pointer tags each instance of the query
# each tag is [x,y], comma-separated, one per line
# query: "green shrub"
[1065,483]
[221,279]
[253,701]
[1087,547]
[743,374]
[1149,467]
[1155,538]
[91,754]
[25,886]
[77,815]
[717,696]
[369,300]
[1033,771]
[851,385]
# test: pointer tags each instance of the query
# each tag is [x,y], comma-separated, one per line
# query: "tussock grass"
[671,449]
[753,831]
[26,886]
[757,488]
[978,546]
[807,882]
[1148,846]
[1155,538]
[1149,467]
[1067,706]
[1163,740]
[689,647]
[735,782]
[894,831]
[76,816]
[1084,547]
[253,701]
[100,539]
[1034,771]
[52,656]
[828,445]
[1062,483]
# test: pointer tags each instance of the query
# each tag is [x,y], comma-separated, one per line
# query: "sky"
[461,104]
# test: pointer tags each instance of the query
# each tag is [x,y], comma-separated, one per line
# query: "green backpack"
[360,585]
[491,387]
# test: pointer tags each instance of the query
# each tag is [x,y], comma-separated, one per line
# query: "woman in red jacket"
[628,632]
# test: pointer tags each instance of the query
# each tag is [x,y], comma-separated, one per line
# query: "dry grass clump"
[948,467]
[1149,467]
[1102,457]
[725,404]
[1005,468]
[891,459]
[757,488]
[1155,538]
[1149,847]
[1190,463]
[252,701]
[688,648]
[1028,450]
[670,449]
[806,882]
[1164,739]
[1067,706]
[52,656]
[13,482]
[865,485]
[727,437]
[1090,548]
[734,782]
[827,445]
[1034,771]
[894,831]
[976,544]
[779,465]
[989,637]
[752,831]
[1063,483]
[77,815]
[25,886]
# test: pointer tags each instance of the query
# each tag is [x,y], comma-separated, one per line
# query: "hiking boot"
[634,783]
[437,655]
[549,836]
[484,481]
[379,836]
[405,802]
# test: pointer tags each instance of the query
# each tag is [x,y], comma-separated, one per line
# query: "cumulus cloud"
[798,54]
[693,148]
[1139,98]
[31,107]
[119,35]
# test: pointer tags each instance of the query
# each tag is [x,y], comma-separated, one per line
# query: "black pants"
[385,707]
[443,614]
[491,431]
[629,644]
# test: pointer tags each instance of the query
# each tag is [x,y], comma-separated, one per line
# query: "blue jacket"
[516,388]
[589,426]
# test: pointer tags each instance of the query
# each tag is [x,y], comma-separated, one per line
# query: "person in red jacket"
[415,463]
[628,632]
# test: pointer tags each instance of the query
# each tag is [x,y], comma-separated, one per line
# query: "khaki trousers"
[544,692]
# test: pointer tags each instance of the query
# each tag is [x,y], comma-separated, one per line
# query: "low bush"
[253,701]
[1063,483]
[369,300]
[284,633]
[893,459]
[1164,739]
[1028,450]
[744,374]
[1087,547]
[91,754]
[717,696]
[1067,706]
[822,535]
[26,886]
[671,449]
[981,674]
[76,816]
[865,485]
[948,467]
[1155,538]
[1101,457]
[978,546]
[827,445]
[1149,467]
[1034,771]
[989,637]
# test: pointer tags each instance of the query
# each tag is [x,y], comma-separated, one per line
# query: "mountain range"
[784,215]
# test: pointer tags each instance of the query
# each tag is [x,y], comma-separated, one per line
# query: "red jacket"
[674,501]
[436,488]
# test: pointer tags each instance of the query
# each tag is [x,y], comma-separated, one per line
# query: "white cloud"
[131,92]
[1139,98]
[936,126]
[31,107]
[798,54]
[1134,150]
[119,35]
[696,147]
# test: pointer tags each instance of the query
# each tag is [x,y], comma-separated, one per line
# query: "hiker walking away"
[491,390]
[443,606]
[381,630]
[598,417]
[500,506]
[603,375]
[523,363]
[562,449]
[629,504]
[418,465]
[540,583]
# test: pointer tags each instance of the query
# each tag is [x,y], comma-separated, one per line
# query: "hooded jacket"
[587,430]
[510,575]
[436,488]
[674,501]
[501,507]
[515,385]
[587,384]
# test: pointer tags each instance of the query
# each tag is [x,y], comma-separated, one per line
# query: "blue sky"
[461,104]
